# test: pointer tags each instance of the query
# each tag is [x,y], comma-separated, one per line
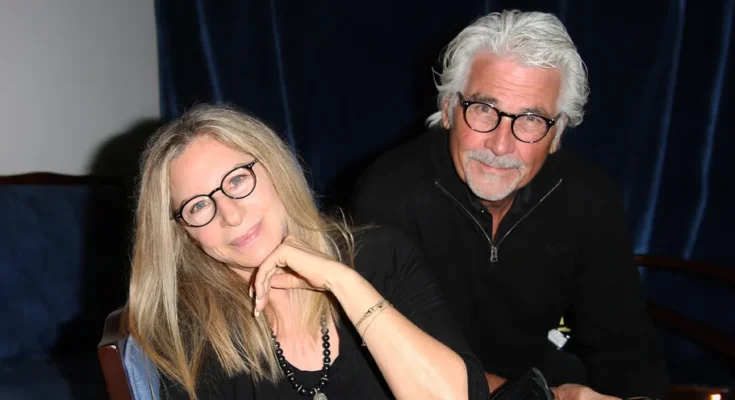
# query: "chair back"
[684,298]
[129,373]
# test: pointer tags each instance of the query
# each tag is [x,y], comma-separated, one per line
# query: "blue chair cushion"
[143,376]
[62,265]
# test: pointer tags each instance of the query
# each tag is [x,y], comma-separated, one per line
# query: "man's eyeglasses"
[526,127]
[201,209]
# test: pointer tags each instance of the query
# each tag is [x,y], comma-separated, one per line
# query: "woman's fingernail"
[250,292]
[256,313]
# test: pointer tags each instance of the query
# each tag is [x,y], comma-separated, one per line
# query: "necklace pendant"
[320,396]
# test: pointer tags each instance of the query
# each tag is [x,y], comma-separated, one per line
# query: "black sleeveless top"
[390,262]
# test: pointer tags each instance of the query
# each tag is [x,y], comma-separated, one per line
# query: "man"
[518,234]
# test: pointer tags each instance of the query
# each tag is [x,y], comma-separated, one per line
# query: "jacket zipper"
[495,245]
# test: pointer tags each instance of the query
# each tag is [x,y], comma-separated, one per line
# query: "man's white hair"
[533,39]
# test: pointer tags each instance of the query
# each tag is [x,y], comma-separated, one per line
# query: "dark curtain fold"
[343,81]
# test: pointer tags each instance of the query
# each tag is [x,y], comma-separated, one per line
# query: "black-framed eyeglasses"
[526,127]
[201,209]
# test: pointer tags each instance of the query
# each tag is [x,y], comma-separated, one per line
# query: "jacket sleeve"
[391,262]
[612,333]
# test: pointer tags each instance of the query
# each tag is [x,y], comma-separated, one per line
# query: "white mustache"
[489,158]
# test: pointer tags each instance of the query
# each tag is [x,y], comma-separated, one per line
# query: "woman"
[240,288]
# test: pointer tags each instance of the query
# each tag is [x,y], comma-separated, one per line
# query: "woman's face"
[243,231]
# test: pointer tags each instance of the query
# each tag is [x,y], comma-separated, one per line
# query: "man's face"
[495,164]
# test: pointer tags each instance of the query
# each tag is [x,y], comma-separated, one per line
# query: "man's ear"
[556,142]
[446,123]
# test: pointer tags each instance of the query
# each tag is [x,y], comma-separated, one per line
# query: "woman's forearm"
[414,364]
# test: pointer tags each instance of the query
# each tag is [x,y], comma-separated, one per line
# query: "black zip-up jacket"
[562,250]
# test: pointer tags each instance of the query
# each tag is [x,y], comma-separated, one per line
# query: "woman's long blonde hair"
[183,304]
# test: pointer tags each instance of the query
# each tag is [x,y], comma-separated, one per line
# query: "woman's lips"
[247,238]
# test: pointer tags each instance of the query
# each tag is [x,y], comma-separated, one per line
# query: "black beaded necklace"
[315,392]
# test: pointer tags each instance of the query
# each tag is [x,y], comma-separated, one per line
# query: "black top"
[562,250]
[390,262]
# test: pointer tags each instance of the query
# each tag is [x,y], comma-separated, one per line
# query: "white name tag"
[557,338]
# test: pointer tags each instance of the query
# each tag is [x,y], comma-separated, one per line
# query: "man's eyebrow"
[536,110]
[495,102]
[483,98]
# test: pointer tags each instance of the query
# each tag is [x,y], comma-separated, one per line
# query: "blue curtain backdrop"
[343,81]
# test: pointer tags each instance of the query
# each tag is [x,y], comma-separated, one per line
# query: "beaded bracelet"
[371,321]
[378,306]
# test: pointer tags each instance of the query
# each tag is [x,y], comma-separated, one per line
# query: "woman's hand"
[293,265]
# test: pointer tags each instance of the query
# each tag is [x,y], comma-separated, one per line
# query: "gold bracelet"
[378,306]
[371,322]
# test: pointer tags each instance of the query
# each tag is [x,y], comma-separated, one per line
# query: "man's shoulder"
[389,189]
[401,168]
[408,159]
[584,180]
[386,237]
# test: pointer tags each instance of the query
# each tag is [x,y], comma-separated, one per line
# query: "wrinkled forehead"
[506,82]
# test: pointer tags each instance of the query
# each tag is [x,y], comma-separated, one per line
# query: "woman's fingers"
[304,268]
[279,280]
[266,286]
[286,279]
[262,280]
